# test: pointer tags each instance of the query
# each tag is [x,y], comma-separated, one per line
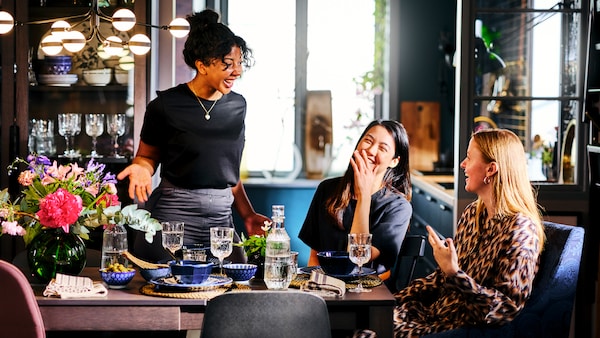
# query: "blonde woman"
[485,274]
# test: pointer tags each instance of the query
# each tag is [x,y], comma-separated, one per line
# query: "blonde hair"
[512,190]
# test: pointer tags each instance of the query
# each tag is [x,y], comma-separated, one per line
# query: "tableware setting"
[221,243]
[353,275]
[69,126]
[190,272]
[335,262]
[359,248]
[154,273]
[240,272]
[172,284]
[117,276]
[172,236]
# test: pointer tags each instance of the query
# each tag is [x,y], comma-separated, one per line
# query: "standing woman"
[372,197]
[487,277]
[196,133]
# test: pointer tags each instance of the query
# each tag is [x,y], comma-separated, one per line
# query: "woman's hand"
[254,224]
[444,252]
[364,174]
[140,181]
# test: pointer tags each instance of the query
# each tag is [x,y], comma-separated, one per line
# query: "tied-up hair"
[209,40]
[395,179]
[512,190]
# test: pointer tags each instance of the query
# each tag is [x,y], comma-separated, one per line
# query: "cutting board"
[422,123]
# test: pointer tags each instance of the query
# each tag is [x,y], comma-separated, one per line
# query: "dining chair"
[411,250]
[266,314]
[20,314]
[548,311]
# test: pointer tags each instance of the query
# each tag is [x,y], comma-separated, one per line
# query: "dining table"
[133,308]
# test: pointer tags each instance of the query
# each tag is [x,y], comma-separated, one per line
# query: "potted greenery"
[255,247]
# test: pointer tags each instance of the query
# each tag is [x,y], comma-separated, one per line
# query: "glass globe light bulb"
[139,44]
[51,45]
[113,45]
[60,29]
[123,19]
[7,22]
[74,41]
[126,62]
[179,27]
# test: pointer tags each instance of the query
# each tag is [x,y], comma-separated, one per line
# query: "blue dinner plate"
[170,283]
[352,275]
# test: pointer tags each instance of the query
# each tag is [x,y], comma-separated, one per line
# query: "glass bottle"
[114,243]
[278,274]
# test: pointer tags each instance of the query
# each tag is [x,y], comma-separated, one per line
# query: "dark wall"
[427,40]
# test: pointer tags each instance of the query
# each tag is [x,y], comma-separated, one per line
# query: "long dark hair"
[211,40]
[395,179]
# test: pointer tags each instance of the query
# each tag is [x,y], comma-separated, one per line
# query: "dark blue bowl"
[58,65]
[240,272]
[152,274]
[190,272]
[117,280]
[335,262]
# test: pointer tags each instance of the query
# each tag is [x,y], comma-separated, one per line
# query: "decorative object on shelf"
[55,251]
[115,127]
[97,77]
[64,36]
[66,197]
[69,125]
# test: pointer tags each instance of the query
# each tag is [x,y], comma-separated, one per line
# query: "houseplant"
[57,208]
[254,247]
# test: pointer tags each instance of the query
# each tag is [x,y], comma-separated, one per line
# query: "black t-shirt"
[196,153]
[388,222]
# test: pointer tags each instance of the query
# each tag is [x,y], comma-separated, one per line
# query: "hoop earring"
[487,180]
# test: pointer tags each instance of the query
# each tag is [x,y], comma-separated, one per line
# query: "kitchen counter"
[438,185]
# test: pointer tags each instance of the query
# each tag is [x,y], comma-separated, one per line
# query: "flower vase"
[54,251]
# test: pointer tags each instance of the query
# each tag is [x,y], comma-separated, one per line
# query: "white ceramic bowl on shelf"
[97,77]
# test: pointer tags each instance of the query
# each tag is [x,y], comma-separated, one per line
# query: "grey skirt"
[199,209]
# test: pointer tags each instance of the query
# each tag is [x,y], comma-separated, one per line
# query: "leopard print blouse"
[498,263]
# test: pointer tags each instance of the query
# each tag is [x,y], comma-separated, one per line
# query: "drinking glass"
[359,249]
[115,127]
[94,127]
[172,236]
[221,243]
[69,125]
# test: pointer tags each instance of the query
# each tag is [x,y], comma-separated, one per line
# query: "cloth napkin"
[66,286]
[319,281]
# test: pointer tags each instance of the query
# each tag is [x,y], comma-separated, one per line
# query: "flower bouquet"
[58,206]
[69,197]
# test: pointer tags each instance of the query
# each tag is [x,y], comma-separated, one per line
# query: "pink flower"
[108,200]
[12,228]
[93,189]
[59,209]
[26,178]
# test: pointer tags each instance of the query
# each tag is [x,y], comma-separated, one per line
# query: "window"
[339,44]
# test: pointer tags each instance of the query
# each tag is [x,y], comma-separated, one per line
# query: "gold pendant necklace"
[206,112]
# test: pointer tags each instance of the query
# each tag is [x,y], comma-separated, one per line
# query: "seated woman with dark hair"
[372,197]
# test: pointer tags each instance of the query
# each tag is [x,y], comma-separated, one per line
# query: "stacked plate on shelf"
[63,80]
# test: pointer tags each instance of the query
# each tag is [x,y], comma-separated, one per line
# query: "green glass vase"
[54,251]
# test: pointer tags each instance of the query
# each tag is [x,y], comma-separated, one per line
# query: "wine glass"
[359,249]
[69,125]
[115,127]
[221,243]
[94,127]
[172,236]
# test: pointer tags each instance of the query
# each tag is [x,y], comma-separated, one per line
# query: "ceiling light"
[73,40]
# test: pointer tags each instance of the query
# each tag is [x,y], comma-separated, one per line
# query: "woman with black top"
[196,133]
[372,197]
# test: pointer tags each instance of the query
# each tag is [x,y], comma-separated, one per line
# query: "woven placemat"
[368,281]
[150,290]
